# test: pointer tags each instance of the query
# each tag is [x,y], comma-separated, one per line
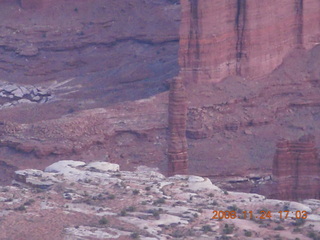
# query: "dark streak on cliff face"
[240,25]
[299,22]
[194,44]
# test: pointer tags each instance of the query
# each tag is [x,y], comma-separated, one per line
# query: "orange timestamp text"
[260,215]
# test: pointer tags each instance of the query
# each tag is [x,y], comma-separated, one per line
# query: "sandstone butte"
[250,70]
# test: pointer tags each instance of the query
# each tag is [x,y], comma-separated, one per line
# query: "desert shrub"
[20,208]
[247,233]
[279,228]
[299,222]
[214,203]
[134,235]
[123,212]
[103,221]
[135,192]
[206,228]
[111,196]
[29,202]
[159,201]
[131,209]
[228,228]
[233,207]
[313,236]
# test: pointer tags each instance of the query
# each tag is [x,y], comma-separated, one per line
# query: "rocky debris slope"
[122,133]
[296,169]
[74,200]
[13,94]
[222,38]
[177,123]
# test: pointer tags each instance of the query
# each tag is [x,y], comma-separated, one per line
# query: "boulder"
[10,88]
[103,166]
[64,166]
[18,93]
[295,206]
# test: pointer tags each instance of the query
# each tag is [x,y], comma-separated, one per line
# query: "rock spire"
[177,146]
[296,169]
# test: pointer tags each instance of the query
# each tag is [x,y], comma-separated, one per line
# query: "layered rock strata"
[296,169]
[243,37]
[177,148]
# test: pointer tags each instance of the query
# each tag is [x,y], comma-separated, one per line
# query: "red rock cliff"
[296,169]
[243,37]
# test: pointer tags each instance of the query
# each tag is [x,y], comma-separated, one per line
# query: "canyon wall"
[247,38]
[296,169]
[108,51]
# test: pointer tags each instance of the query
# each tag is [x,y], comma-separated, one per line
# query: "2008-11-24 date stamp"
[260,215]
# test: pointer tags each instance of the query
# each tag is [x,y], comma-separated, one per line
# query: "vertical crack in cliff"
[193,41]
[299,22]
[177,146]
[240,25]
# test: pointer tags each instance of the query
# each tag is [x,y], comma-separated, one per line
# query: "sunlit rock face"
[243,37]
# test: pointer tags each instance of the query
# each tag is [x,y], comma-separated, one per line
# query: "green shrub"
[131,209]
[134,235]
[135,192]
[233,207]
[159,201]
[228,229]
[103,221]
[123,212]
[279,227]
[313,236]
[247,233]
[111,196]
[299,221]
[20,208]
[206,228]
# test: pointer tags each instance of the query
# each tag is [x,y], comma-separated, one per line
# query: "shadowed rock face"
[177,149]
[296,169]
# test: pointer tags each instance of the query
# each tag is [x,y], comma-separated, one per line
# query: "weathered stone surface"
[296,169]
[177,144]
[118,206]
[103,166]
[64,166]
